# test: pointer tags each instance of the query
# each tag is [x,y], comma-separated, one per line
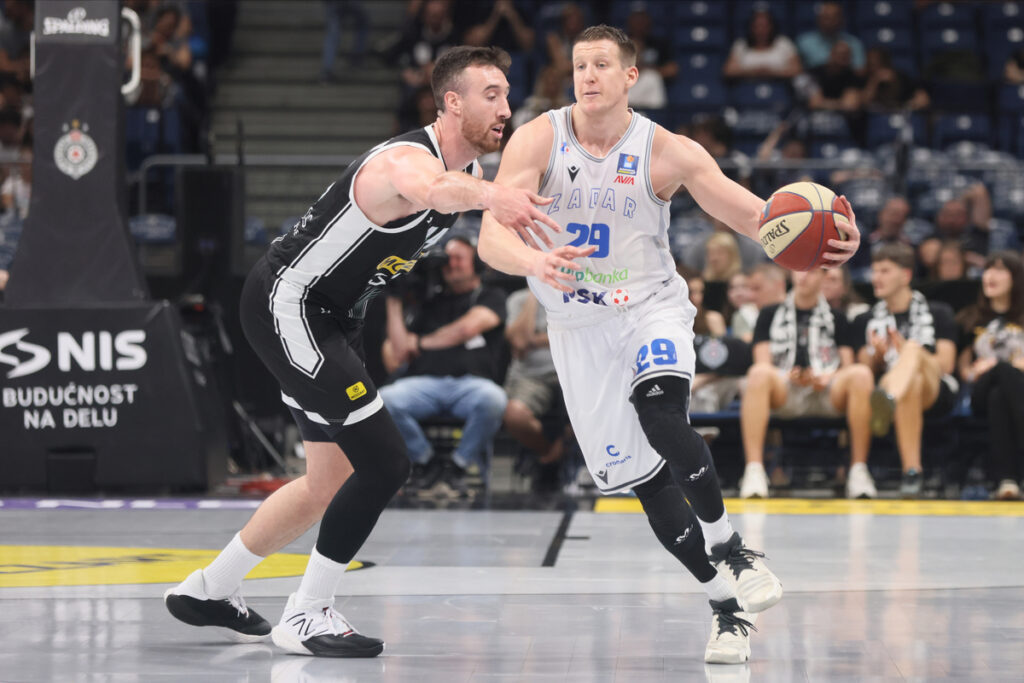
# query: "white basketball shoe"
[322,631]
[756,586]
[730,634]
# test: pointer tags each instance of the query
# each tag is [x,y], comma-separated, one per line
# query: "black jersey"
[336,259]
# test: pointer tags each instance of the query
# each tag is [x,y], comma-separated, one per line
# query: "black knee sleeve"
[377,452]
[661,404]
[674,523]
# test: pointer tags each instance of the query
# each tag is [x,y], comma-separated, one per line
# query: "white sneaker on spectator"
[755,481]
[859,483]
[322,631]
[730,634]
[1008,490]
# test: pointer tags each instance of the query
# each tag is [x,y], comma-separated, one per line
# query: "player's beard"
[478,135]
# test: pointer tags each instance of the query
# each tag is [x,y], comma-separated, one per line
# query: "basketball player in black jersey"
[302,310]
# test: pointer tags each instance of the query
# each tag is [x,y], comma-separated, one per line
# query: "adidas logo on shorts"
[655,391]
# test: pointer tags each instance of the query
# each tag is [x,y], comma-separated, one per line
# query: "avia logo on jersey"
[396,265]
[93,351]
[628,164]
[614,452]
[624,180]
[588,275]
[584,296]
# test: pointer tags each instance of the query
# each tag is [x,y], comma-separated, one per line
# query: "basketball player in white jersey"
[621,331]
[302,311]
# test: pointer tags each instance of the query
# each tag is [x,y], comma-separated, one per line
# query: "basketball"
[798,221]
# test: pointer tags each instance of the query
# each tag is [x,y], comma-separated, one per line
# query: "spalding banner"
[121,389]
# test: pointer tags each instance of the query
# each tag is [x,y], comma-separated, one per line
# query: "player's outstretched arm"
[423,181]
[522,165]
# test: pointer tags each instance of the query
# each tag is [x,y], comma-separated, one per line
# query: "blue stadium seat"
[701,66]
[960,97]
[951,128]
[869,14]
[519,80]
[703,12]
[1002,233]
[828,125]
[1011,99]
[697,95]
[1011,134]
[1000,15]
[829,150]
[883,128]
[255,231]
[896,39]
[761,95]
[945,40]
[662,15]
[940,15]
[753,125]
[689,38]
[1008,200]
[1000,44]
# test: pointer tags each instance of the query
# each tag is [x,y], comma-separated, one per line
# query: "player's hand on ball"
[556,266]
[514,208]
[847,247]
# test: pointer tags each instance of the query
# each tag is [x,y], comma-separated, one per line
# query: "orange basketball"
[797,223]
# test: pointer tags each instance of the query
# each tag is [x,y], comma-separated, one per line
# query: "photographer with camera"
[804,366]
[450,349]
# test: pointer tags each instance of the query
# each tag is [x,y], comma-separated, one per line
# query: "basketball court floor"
[875,591]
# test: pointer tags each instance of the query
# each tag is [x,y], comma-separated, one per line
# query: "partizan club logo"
[76,153]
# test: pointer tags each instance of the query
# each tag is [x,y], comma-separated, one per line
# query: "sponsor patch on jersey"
[355,391]
[395,265]
[628,164]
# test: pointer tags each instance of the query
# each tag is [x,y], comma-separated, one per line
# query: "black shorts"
[315,355]
[946,400]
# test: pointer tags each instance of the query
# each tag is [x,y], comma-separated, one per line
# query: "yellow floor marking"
[55,565]
[801,506]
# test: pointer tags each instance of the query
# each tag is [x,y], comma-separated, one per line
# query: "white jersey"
[609,203]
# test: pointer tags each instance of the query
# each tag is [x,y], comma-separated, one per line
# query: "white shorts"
[599,365]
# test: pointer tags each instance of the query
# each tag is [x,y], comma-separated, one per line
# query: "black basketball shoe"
[188,602]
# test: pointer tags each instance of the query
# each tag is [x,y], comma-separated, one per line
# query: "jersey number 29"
[596,234]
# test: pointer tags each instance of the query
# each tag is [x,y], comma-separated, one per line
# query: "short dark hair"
[900,254]
[449,67]
[627,48]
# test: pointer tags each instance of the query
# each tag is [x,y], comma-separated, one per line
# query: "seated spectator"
[837,84]
[713,134]
[424,38]
[891,218]
[804,366]
[707,323]
[762,53]
[951,262]
[653,59]
[496,25]
[816,46]
[531,384]
[993,363]
[964,220]
[549,92]
[741,311]
[559,43]
[910,345]
[1013,71]
[887,89]
[450,347]
[837,288]
[722,257]
[767,286]
[16,190]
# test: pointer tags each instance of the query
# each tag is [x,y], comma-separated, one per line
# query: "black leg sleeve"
[674,523]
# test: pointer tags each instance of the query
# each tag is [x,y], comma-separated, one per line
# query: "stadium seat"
[828,150]
[701,38]
[1011,134]
[960,97]
[1008,199]
[937,41]
[701,66]
[1001,15]
[703,12]
[255,230]
[941,15]
[1000,44]
[829,125]
[882,128]
[870,14]
[761,95]
[1002,233]
[950,128]
[519,79]
[896,39]
[694,95]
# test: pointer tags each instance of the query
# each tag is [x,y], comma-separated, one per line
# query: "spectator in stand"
[1013,71]
[549,92]
[15,36]
[951,262]
[428,33]
[707,323]
[497,24]
[993,364]
[16,190]
[531,383]
[804,366]
[713,134]
[767,285]
[722,257]
[762,53]
[653,59]
[837,288]
[450,348]
[838,87]
[559,43]
[740,310]
[887,89]
[910,344]
[337,12]
[891,218]
[964,220]
[816,46]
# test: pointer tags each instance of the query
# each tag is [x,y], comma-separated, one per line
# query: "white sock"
[716,532]
[719,588]
[224,575]
[320,581]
